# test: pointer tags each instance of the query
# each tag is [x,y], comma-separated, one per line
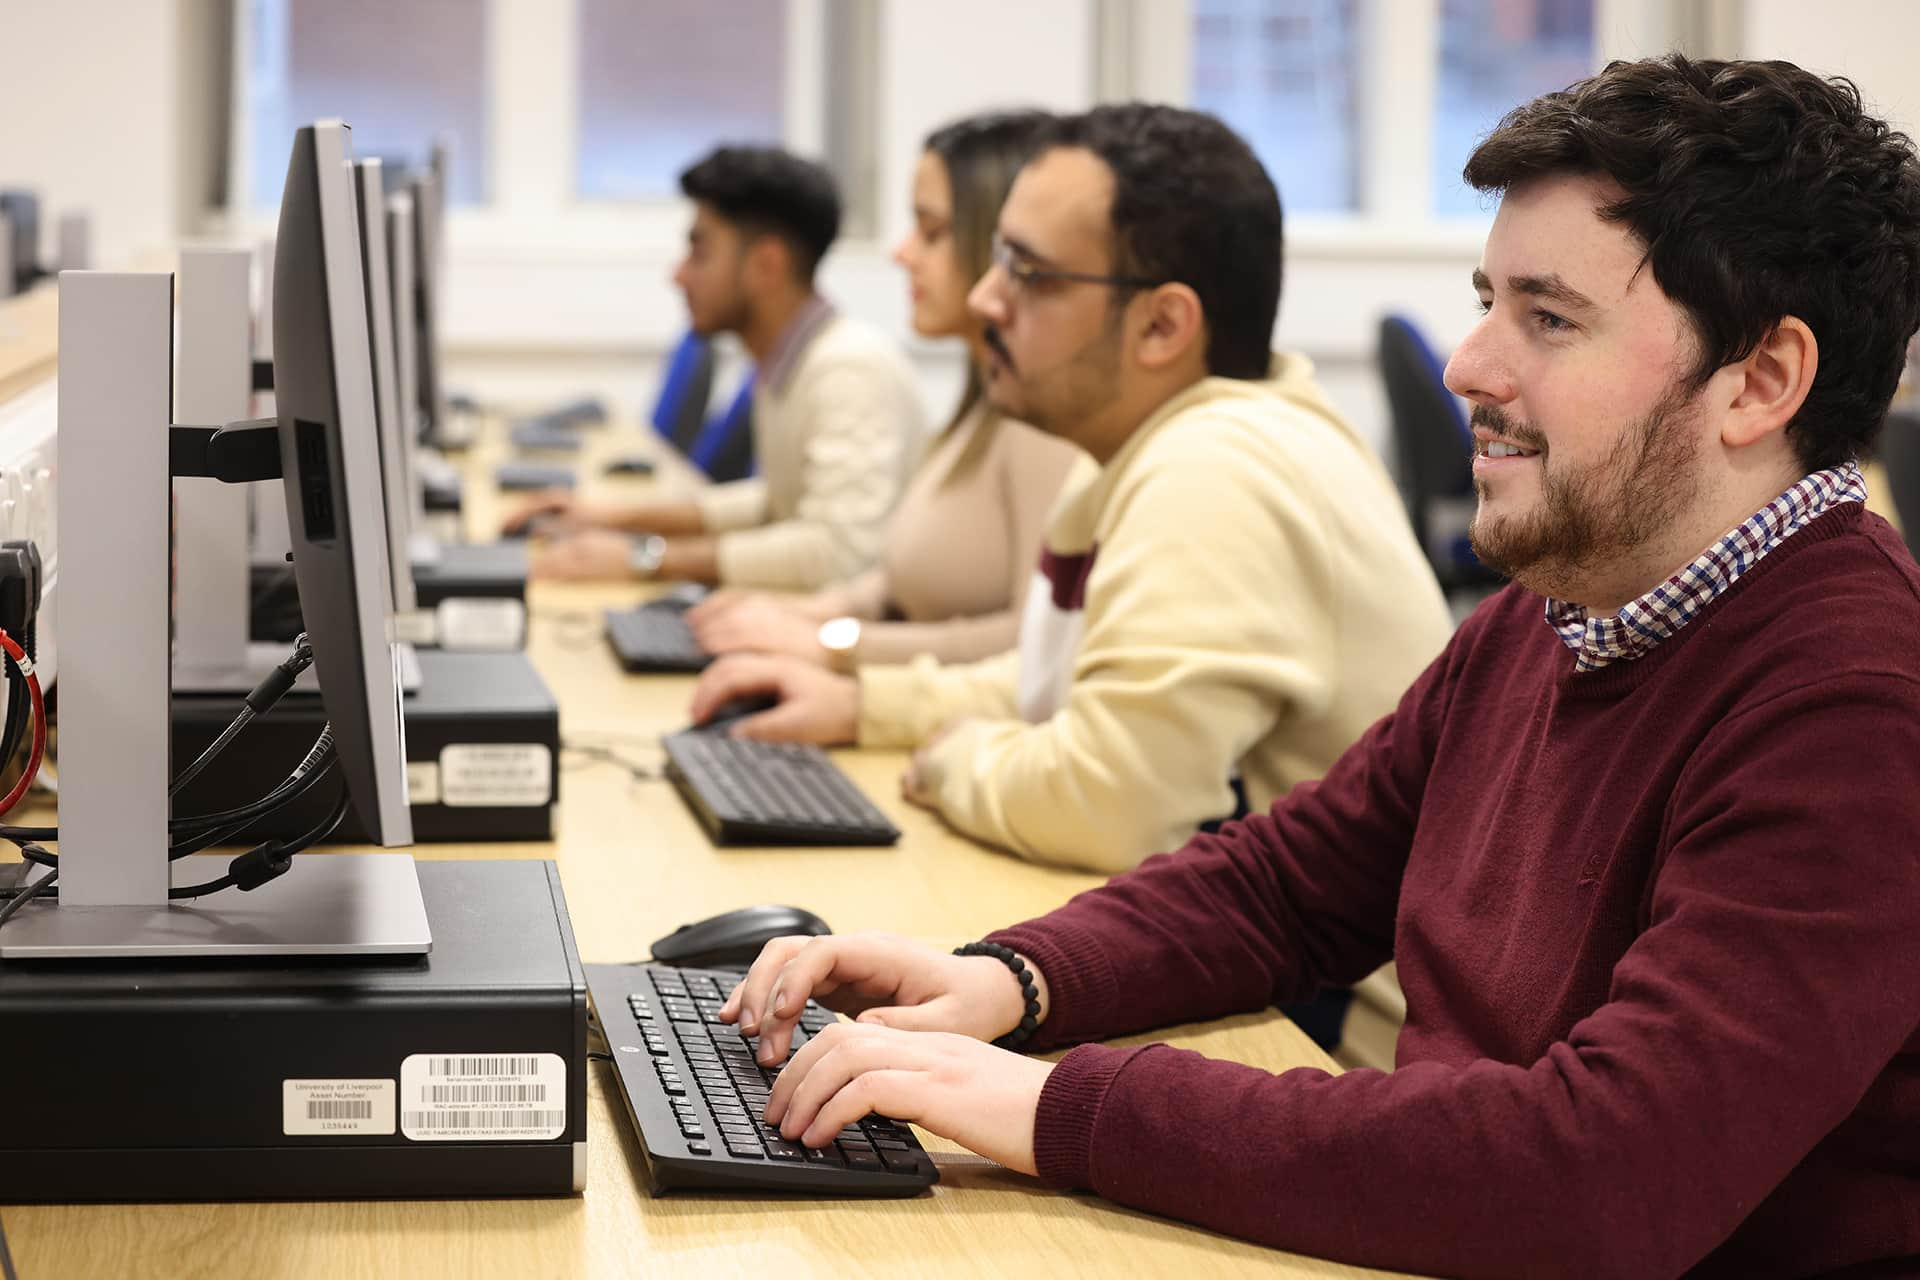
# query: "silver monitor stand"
[114,382]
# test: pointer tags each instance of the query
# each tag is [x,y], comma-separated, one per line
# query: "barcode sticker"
[503,774]
[423,782]
[481,622]
[316,1107]
[453,1097]
[417,627]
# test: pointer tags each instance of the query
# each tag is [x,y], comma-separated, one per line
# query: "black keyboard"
[544,437]
[655,637]
[518,476]
[697,1097]
[770,792]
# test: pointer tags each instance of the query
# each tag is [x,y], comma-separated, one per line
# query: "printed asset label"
[309,1107]
[496,774]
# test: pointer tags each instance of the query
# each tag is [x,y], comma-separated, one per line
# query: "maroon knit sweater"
[1659,931]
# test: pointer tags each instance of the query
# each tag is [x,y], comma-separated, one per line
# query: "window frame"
[533,212]
[1145,51]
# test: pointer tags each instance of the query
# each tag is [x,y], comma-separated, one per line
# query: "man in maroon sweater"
[1648,864]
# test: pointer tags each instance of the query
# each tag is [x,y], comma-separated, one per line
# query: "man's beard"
[1057,400]
[1590,519]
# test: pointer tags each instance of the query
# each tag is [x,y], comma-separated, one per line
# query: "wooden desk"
[29,336]
[635,865]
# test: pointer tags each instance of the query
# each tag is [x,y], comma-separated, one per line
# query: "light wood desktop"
[29,334]
[635,865]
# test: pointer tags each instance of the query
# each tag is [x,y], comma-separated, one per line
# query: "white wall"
[88,117]
[1875,42]
[538,312]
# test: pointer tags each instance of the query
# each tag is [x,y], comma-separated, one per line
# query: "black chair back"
[1432,451]
[1900,456]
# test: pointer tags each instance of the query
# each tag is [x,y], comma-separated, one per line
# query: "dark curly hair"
[767,191]
[1193,204]
[1759,191]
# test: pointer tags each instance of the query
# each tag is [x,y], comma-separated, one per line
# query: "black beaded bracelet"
[1021,974]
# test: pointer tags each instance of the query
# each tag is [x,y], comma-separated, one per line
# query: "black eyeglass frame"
[1024,273]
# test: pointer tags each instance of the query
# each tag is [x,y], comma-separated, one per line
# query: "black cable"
[607,755]
[19,709]
[575,630]
[296,784]
[218,745]
[26,895]
[6,1257]
[611,737]
[265,694]
[318,761]
[270,858]
[220,835]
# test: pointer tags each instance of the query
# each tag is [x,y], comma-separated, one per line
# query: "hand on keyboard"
[758,624]
[816,706]
[981,1097]
[880,978]
[590,555]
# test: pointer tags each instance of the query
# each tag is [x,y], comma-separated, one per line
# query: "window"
[1285,75]
[662,81]
[403,75]
[1494,55]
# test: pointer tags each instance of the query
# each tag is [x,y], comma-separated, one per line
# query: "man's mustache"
[991,336]
[1503,425]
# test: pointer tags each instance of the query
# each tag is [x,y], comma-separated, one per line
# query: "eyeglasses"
[1025,272]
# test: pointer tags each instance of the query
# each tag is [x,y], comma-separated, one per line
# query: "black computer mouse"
[740,708]
[732,939]
[678,598]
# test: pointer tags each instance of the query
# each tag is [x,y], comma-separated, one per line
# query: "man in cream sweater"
[836,418]
[1229,591]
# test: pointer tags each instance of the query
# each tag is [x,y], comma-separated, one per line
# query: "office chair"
[1433,454]
[680,410]
[724,449]
[1900,456]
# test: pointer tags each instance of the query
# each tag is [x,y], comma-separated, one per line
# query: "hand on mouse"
[815,705]
[544,509]
[883,980]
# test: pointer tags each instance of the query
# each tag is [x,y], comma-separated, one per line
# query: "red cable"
[21,660]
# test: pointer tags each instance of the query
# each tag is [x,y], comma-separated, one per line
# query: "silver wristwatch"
[646,555]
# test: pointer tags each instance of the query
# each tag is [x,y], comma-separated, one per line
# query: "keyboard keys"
[861,1156]
[755,792]
[706,1078]
[903,1160]
[654,639]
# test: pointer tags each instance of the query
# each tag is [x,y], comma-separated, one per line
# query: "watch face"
[840,634]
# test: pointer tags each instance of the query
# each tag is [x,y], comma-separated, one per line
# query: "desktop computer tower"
[482,744]
[458,1073]
[490,575]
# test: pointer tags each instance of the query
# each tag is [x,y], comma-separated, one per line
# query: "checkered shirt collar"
[1643,623]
